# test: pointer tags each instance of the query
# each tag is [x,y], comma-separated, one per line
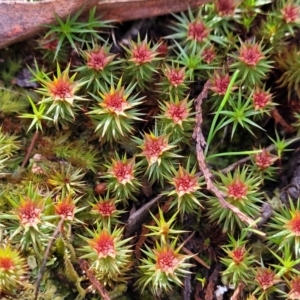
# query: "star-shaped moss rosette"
[220,81]
[291,12]
[38,117]
[60,94]
[108,252]
[263,164]
[209,54]
[226,8]
[115,112]
[66,208]
[99,66]
[267,282]
[177,119]
[48,46]
[192,28]
[158,154]
[162,267]
[66,180]
[28,225]
[13,270]
[289,16]
[252,63]
[240,189]
[173,81]
[163,230]
[238,261]
[75,33]
[105,210]
[285,264]
[121,178]
[29,212]
[192,60]
[185,190]
[141,62]
[262,100]
[285,228]
[294,288]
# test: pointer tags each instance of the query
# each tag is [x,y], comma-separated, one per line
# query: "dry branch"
[200,141]
[44,262]
[137,218]
[23,20]
[93,280]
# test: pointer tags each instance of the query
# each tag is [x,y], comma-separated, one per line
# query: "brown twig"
[196,258]
[213,278]
[187,287]
[238,291]
[235,164]
[29,150]
[136,219]
[189,238]
[279,119]
[43,266]
[145,231]
[95,283]
[200,144]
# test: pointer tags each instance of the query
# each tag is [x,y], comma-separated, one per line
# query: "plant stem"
[44,262]
[29,150]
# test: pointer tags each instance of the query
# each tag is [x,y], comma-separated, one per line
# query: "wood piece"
[20,20]
[124,10]
[93,280]
[23,20]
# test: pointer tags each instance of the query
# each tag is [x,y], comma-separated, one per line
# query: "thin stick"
[196,258]
[279,119]
[143,237]
[95,283]
[29,150]
[137,218]
[200,144]
[238,291]
[189,238]
[42,269]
